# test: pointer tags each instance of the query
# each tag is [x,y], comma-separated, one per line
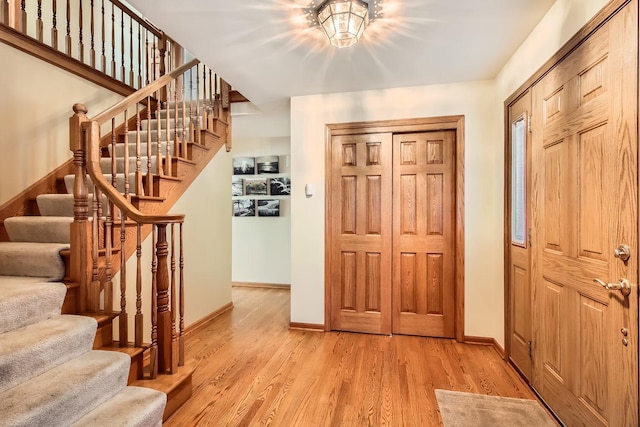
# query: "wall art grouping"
[249,180]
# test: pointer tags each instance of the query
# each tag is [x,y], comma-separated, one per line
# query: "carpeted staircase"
[49,374]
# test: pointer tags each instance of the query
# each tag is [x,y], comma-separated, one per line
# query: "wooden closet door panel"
[361,227]
[423,237]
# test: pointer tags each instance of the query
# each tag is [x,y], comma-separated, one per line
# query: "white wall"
[34,117]
[482,105]
[261,247]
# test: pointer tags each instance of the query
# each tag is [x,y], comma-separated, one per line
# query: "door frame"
[454,123]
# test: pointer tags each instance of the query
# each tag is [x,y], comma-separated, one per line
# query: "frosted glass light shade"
[343,21]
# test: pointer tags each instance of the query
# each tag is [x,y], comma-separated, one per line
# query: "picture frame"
[244,165]
[269,207]
[280,186]
[255,186]
[267,164]
[244,207]
[237,187]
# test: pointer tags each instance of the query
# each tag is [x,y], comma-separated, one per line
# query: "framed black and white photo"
[268,164]
[244,165]
[244,207]
[236,187]
[268,207]
[280,186]
[255,186]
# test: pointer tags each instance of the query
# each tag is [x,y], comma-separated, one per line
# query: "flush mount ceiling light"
[343,21]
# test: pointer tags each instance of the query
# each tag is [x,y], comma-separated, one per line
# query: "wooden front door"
[584,207]
[519,332]
[361,224]
[423,233]
[398,278]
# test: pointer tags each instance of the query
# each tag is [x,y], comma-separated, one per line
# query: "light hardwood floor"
[252,370]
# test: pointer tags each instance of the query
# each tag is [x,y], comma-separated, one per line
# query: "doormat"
[470,410]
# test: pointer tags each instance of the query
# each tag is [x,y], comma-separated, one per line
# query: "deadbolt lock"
[622,252]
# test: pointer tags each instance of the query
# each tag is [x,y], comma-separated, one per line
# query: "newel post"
[166,362]
[80,243]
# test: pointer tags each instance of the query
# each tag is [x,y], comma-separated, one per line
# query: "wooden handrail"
[92,132]
[136,97]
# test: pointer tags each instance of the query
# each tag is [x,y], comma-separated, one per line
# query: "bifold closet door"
[361,233]
[423,233]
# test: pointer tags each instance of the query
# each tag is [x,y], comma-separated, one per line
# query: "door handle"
[623,286]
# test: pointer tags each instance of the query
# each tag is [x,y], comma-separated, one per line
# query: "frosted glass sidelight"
[518,182]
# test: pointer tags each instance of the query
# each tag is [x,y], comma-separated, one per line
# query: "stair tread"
[23,302]
[132,406]
[33,349]
[32,259]
[67,392]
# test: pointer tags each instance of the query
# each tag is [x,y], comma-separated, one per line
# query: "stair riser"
[38,229]
[105,165]
[143,149]
[153,123]
[33,260]
[132,138]
[120,184]
[25,304]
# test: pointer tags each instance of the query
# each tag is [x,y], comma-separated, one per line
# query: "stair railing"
[105,225]
[105,35]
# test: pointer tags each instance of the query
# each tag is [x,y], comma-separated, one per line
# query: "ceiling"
[268,52]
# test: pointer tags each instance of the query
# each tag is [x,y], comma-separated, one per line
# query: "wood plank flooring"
[251,370]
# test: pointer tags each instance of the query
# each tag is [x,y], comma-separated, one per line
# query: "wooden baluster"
[132,76]
[153,57]
[54,25]
[39,26]
[181,292]
[138,317]
[198,125]
[167,159]
[139,56]
[80,43]
[192,130]
[217,97]
[108,271]
[113,41]
[68,37]
[158,150]
[114,170]
[205,107]
[22,21]
[184,114]
[93,304]
[124,316]
[211,101]
[146,55]
[92,51]
[176,138]
[138,184]
[123,68]
[149,176]
[4,12]
[153,354]
[80,229]
[175,354]
[165,357]
[127,188]
[103,58]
